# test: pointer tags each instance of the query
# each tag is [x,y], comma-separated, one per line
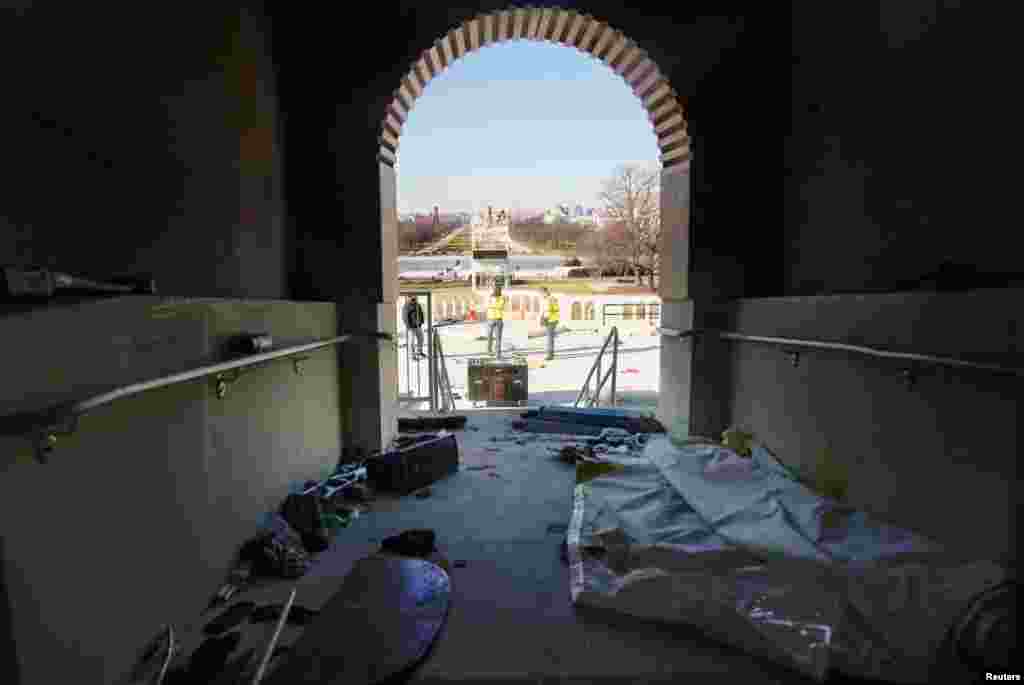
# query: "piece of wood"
[381,622]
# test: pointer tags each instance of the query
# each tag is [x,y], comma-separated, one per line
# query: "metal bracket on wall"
[298,365]
[909,378]
[794,358]
[45,438]
[223,381]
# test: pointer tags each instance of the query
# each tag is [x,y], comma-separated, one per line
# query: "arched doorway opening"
[666,113]
[556,25]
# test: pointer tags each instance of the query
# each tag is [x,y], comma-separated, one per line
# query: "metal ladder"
[441,386]
[592,398]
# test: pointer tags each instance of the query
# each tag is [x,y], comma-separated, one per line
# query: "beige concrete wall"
[941,456]
[135,520]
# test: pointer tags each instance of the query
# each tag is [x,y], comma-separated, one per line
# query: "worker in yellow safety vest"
[495,319]
[549,319]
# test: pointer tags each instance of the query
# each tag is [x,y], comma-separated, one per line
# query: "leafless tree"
[631,198]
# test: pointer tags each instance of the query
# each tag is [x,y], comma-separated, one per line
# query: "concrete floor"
[511,619]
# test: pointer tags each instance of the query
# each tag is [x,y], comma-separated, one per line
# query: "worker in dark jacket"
[413,317]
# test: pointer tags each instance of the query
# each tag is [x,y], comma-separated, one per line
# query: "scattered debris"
[422,423]
[424,493]
[297,616]
[359,492]
[519,425]
[407,470]
[739,441]
[559,427]
[492,474]
[418,542]
[230,618]
[578,417]
[237,579]
[212,656]
[336,520]
[154,658]
[235,670]
[492,449]
[473,428]
[304,514]
[403,441]
[480,467]
[571,454]
[279,552]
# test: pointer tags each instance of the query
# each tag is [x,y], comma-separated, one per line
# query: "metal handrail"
[846,347]
[62,418]
[442,386]
[612,335]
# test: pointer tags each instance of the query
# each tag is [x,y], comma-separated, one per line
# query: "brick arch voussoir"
[666,111]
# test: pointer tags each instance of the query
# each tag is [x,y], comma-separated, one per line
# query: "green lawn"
[576,287]
[581,286]
[432,285]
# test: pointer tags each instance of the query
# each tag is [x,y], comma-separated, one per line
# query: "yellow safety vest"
[496,307]
[552,310]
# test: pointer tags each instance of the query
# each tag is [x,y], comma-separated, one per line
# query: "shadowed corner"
[10,671]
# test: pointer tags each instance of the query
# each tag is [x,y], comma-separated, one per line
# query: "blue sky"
[522,125]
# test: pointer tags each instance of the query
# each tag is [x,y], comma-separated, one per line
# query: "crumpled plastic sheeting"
[699,535]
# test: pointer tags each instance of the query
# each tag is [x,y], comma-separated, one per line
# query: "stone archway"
[554,25]
[666,112]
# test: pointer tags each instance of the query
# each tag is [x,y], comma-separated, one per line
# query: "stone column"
[674,399]
[345,262]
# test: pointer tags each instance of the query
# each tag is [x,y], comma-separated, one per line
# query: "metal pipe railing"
[586,383]
[613,337]
[845,347]
[62,418]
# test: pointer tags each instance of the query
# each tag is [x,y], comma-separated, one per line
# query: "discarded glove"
[411,543]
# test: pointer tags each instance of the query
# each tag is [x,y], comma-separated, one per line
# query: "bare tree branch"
[631,199]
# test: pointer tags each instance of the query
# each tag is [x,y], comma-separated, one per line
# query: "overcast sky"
[522,125]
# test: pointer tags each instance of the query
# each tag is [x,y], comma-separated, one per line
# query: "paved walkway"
[511,619]
[556,382]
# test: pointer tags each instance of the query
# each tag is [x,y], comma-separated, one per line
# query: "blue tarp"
[694,533]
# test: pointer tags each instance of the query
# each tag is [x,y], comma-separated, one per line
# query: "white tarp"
[694,533]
